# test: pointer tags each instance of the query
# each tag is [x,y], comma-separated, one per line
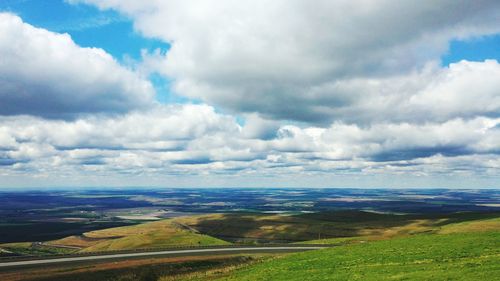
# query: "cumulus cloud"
[292,90]
[191,140]
[46,74]
[323,61]
[259,128]
[159,128]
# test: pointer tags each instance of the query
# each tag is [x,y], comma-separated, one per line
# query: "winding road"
[168,253]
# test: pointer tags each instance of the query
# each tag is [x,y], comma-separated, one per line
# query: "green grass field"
[462,246]
[28,249]
[457,256]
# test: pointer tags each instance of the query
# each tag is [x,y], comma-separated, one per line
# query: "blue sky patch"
[478,49]
[87,25]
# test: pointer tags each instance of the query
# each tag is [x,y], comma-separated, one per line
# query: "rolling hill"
[461,250]
[158,234]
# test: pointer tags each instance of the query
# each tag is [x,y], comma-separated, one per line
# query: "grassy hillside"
[457,256]
[325,225]
[148,235]
[157,234]
[480,225]
[341,227]
[30,249]
[463,246]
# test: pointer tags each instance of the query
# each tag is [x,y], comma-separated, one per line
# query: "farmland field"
[383,235]
[58,213]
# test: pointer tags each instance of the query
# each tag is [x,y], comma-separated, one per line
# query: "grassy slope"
[247,227]
[457,256]
[477,224]
[27,248]
[341,227]
[333,225]
[482,225]
[463,250]
[148,235]
[277,228]
[157,234]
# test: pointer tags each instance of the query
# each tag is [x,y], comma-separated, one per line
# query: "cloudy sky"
[250,93]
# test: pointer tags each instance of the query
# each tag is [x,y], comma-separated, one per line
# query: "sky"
[221,93]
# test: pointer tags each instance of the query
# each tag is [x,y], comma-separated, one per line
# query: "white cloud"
[322,61]
[194,140]
[259,128]
[163,127]
[465,89]
[351,89]
[46,74]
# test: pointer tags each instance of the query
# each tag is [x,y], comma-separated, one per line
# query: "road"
[172,253]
